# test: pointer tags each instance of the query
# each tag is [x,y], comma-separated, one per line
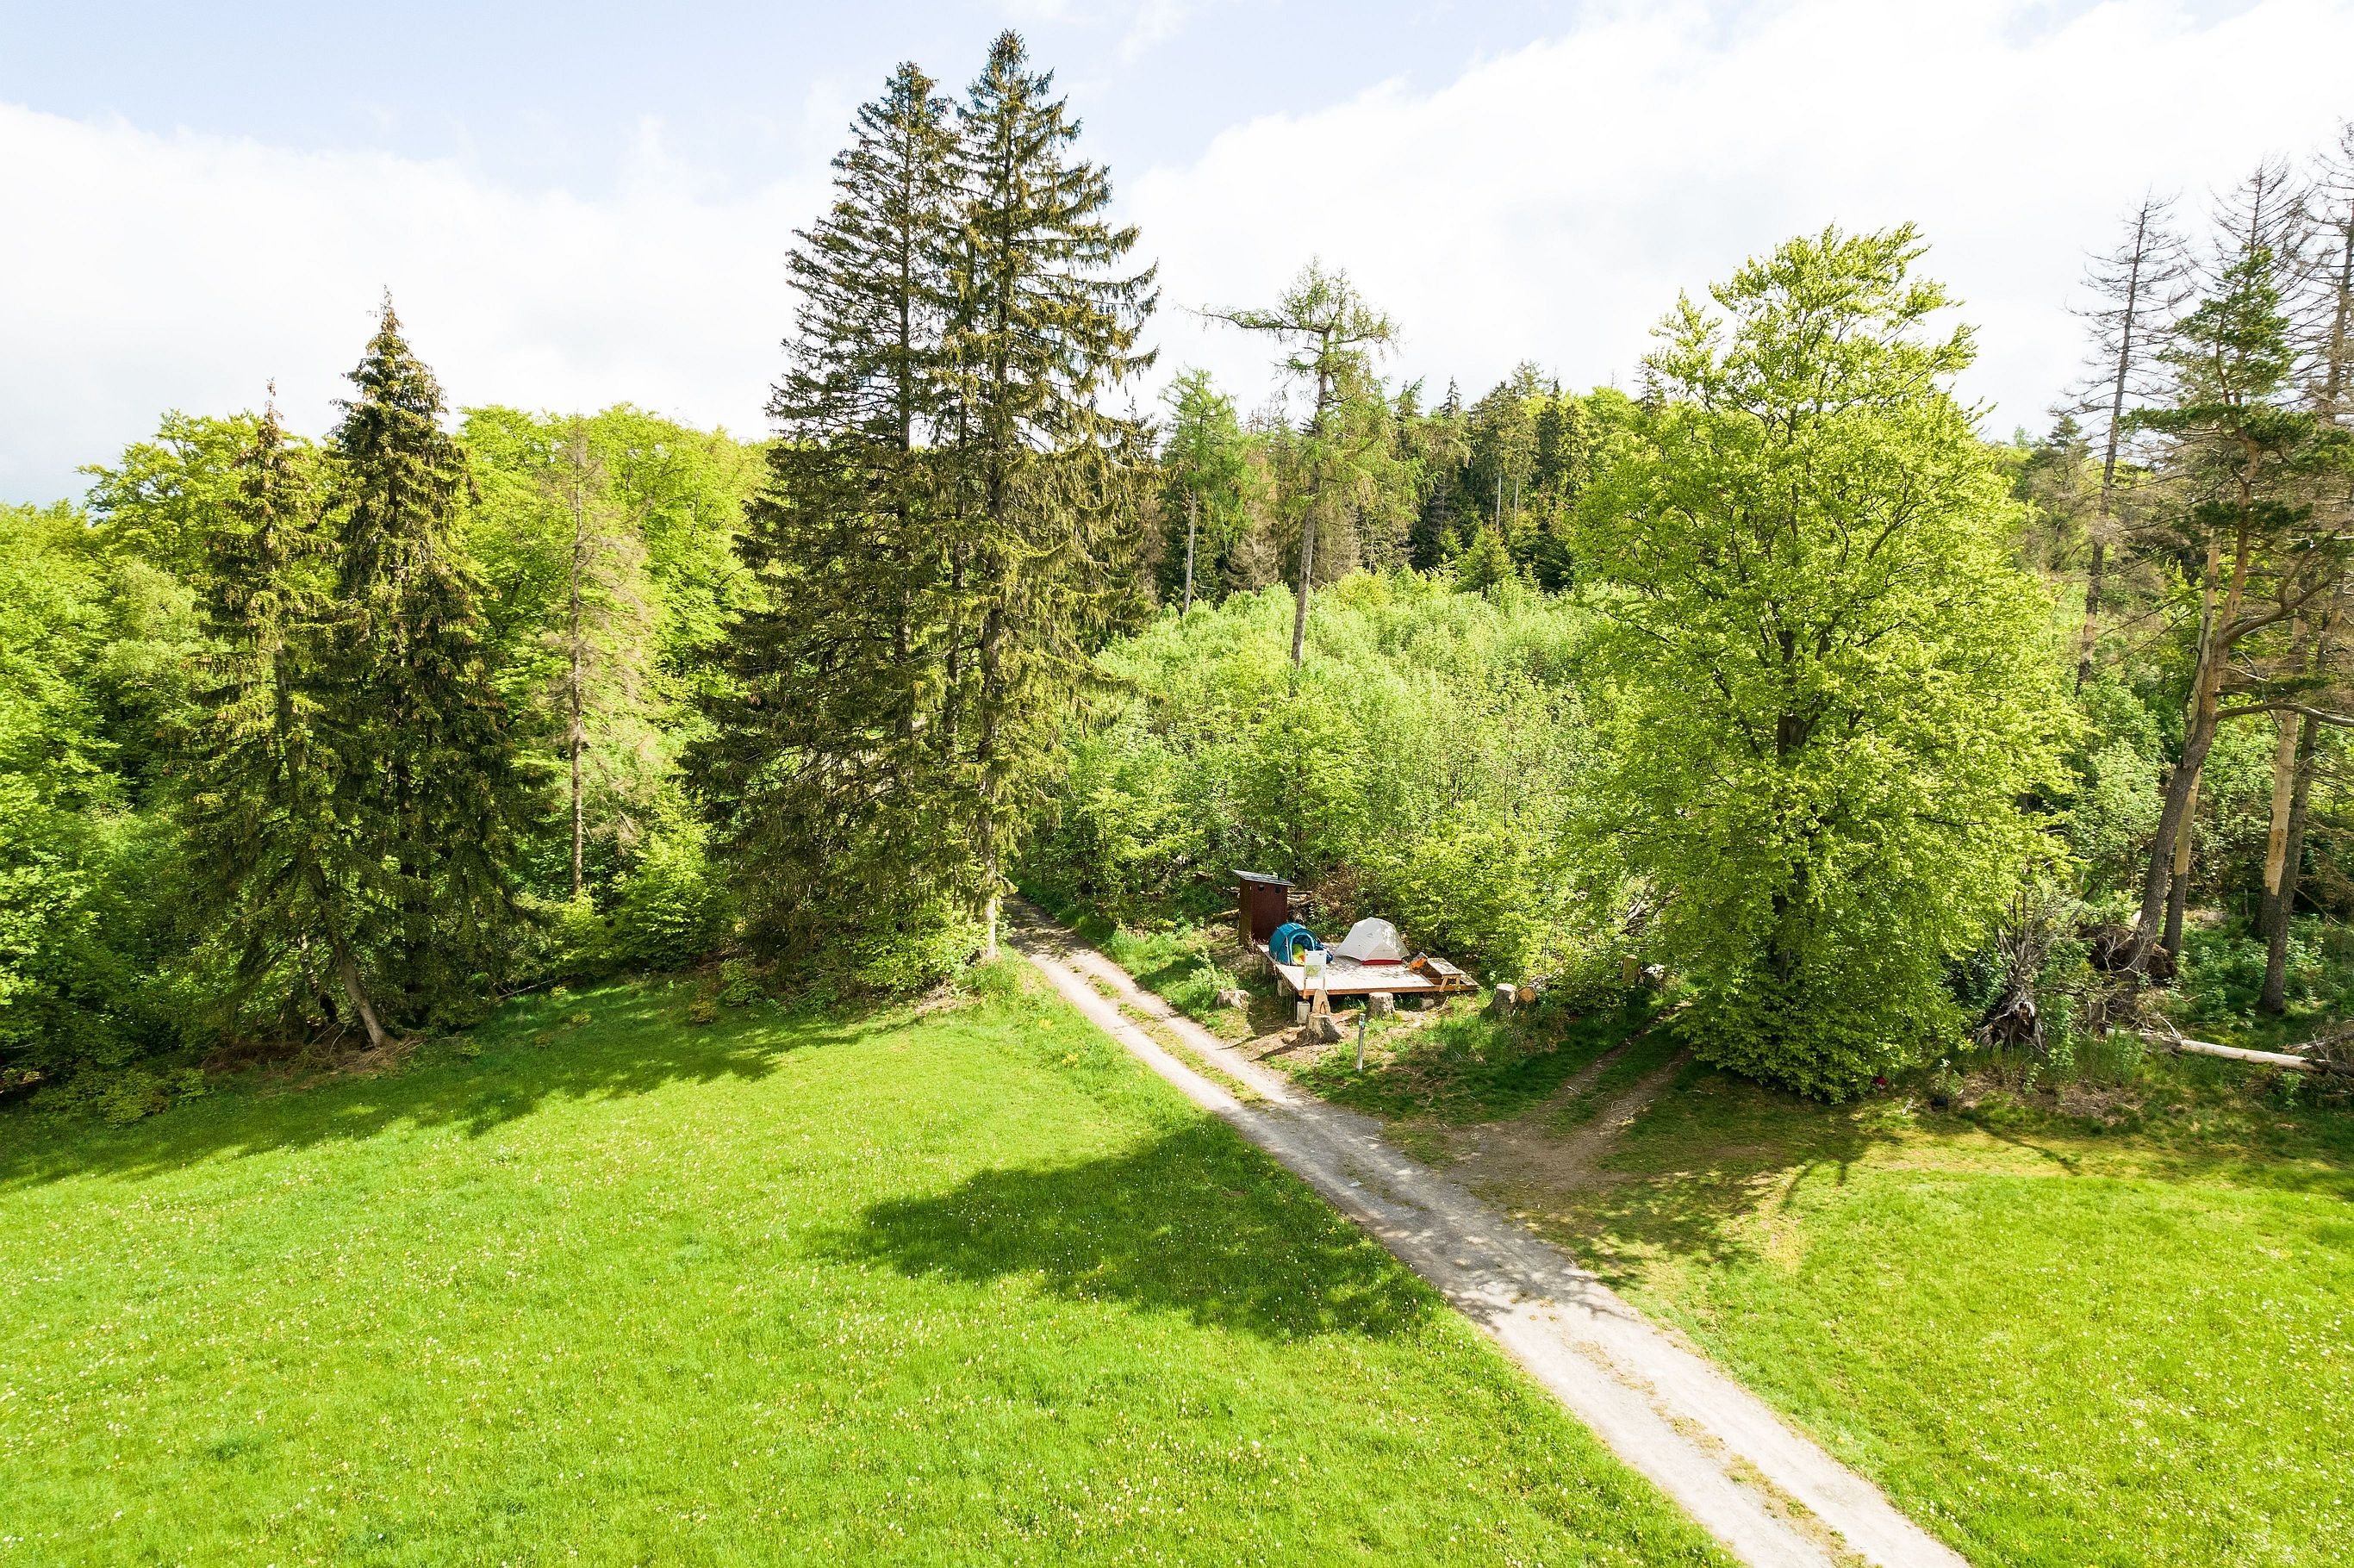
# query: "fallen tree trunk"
[2234,1052]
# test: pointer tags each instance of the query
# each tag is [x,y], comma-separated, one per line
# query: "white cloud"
[159,272]
[1155,23]
[1550,202]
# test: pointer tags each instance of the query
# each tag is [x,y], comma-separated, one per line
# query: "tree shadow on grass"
[1701,1172]
[633,1039]
[1705,1174]
[1192,1222]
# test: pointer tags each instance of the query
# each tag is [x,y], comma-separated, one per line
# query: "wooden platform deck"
[1347,976]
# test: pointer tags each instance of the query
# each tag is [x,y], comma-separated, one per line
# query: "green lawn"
[960,1287]
[2056,1344]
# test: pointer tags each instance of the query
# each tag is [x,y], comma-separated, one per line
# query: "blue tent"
[1290,940]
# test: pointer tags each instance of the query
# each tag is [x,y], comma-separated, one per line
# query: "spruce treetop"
[403,474]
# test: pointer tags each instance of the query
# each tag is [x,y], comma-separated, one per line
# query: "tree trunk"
[348,974]
[1300,604]
[1192,507]
[2341,328]
[2276,835]
[2198,738]
[2109,454]
[992,626]
[2281,869]
[2178,891]
[2093,574]
[953,654]
[577,735]
[1308,517]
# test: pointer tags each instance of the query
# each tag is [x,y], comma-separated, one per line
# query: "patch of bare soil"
[1528,1155]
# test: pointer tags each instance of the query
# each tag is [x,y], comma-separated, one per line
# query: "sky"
[582,203]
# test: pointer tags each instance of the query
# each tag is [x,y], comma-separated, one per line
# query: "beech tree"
[1832,688]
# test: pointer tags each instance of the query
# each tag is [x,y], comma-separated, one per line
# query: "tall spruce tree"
[826,763]
[1044,328]
[270,864]
[430,788]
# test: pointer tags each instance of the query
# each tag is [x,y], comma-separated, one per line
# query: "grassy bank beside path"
[2100,1322]
[2060,1346]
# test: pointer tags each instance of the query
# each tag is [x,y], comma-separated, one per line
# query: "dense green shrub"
[670,908]
[2224,974]
[1421,772]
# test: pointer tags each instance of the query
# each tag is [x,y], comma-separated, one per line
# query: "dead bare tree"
[2136,289]
[2014,1019]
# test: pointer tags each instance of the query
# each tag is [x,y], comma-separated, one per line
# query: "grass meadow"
[2059,1340]
[595,1285]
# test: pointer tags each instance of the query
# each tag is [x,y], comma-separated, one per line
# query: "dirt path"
[1770,1496]
[1525,1152]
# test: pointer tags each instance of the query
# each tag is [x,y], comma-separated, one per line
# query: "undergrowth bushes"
[1421,770]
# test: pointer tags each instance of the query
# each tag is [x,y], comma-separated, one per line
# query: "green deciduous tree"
[1210,490]
[159,501]
[1833,687]
[606,544]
